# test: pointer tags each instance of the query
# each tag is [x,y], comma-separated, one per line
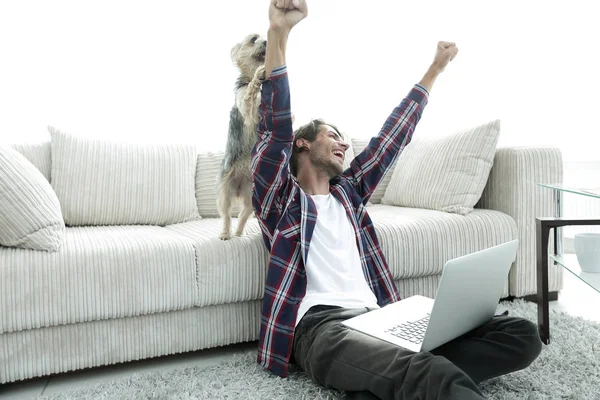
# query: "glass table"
[567,261]
[570,263]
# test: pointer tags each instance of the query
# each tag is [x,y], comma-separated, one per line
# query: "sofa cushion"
[101,272]
[30,213]
[445,173]
[228,270]
[417,242]
[100,182]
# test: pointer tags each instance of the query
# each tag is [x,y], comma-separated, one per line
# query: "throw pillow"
[30,213]
[101,182]
[38,154]
[446,174]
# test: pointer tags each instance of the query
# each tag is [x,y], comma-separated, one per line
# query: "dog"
[235,177]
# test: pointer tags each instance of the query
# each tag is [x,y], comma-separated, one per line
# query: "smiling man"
[326,264]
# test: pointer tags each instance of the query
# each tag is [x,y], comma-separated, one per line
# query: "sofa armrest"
[512,188]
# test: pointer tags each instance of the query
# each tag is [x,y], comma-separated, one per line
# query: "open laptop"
[467,296]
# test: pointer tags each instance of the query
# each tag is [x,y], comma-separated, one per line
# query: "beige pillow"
[445,174]
[30,213]
[102,182]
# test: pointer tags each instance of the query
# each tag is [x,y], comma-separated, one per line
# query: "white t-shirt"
[333,269]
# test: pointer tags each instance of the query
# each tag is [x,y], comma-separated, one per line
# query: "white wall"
[160,71]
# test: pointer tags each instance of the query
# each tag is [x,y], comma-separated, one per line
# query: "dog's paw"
[224,236]
[259,73]
[239,233]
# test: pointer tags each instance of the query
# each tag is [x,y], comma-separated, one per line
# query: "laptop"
[467,296]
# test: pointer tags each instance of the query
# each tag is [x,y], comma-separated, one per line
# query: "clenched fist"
[446,51]
[285,14]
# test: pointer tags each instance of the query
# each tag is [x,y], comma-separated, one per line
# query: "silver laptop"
[467,296]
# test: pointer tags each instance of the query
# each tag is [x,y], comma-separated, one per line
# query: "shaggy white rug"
[569,368]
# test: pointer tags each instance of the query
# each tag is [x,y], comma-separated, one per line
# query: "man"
[325,261]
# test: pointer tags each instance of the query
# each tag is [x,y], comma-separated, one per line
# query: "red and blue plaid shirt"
[287,216]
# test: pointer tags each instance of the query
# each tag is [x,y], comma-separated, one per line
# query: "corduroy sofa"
[124,282]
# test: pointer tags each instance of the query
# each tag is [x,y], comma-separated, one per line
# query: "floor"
[576,298]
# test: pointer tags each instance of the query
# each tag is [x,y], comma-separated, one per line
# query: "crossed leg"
[340,358]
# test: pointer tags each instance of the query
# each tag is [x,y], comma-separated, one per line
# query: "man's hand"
[285,14]
[445,52]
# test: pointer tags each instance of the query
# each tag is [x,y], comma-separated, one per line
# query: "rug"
[569,368]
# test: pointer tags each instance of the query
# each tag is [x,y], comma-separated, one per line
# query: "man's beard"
[324,163]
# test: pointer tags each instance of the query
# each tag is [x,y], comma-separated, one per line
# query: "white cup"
[587,248]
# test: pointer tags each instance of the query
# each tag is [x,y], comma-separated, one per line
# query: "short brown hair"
[309,132]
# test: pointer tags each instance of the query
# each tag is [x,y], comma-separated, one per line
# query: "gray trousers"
[365,367]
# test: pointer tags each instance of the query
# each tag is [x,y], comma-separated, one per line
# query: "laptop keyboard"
[413,331]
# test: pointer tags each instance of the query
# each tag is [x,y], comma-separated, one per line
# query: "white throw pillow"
[445,174]
[30,214]
[101,182]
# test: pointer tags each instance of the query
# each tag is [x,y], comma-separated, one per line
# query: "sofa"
[120,282]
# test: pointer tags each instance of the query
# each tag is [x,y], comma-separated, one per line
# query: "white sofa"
[116,293]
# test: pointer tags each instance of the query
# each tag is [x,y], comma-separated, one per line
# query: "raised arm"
[271,154]
[369,167]
[283,16]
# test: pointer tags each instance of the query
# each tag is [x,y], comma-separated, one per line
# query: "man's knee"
[428,373]
[442,369]
[530,333]
[526,340]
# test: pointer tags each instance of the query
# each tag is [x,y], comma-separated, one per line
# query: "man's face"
[327,152]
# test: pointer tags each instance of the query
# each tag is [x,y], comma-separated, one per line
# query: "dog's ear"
[234,50]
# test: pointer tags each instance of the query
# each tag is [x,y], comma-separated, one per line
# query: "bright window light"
[160,71]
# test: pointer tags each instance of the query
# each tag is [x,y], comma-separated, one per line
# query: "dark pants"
[340,358]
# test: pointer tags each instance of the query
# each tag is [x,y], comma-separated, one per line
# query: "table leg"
[542,238]
[558,244]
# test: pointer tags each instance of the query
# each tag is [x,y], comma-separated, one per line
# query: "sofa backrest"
[208,164]
[40,155]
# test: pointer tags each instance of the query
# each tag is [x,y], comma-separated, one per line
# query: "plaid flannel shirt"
[287,215]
